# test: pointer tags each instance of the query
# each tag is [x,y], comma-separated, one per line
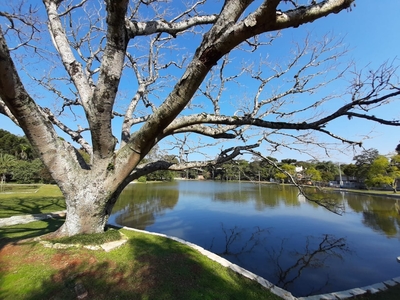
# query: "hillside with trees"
[18,162]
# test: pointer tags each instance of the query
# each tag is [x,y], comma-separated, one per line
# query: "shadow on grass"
[15,233]
[146,267]
[30,205]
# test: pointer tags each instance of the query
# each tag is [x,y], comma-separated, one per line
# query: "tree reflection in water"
[233,238]
[140,204]
[288,263]
[316,252]
[379,214]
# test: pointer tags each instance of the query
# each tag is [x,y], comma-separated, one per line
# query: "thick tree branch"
[224,156]
[216,133]
[186,121]
[173,28]
[101,107]
[36,127]
[262,21]
[74,134]
[60,41]
[4,110]
[329,204]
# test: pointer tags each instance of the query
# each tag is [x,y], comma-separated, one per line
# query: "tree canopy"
[74,73]
[383,171]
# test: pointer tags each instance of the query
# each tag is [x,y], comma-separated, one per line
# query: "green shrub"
[91,239]
[142,179]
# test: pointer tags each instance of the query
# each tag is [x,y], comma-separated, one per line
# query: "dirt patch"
[63,259]
[8,249]
[5,254]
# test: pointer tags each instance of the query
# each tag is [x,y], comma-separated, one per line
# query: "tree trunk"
[88,210]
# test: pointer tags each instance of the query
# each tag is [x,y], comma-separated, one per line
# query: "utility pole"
[186,152]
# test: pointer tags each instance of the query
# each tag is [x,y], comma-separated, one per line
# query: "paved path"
[24,219]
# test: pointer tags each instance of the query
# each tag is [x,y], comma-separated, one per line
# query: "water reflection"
[379,214]
[386,223]
[266,197]
[281,260]
[318,252]
[273,232]
[150,201]
[238,241]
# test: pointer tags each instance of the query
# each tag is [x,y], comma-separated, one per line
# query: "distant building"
[349,182]
[299,169]
[299,172]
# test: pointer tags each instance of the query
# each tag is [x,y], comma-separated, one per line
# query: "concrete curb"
[370,289]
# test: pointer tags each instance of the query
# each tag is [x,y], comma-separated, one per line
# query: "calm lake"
[273,232]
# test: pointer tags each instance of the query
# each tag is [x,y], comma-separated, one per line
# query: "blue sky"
[371,31]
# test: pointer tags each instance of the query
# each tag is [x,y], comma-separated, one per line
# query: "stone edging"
[370,289]
[107,247]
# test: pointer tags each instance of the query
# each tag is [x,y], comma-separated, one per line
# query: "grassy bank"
[373,192]
[146,267]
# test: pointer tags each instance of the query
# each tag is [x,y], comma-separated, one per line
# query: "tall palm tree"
[7,161]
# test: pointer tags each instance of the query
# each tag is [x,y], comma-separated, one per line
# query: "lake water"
[273,232]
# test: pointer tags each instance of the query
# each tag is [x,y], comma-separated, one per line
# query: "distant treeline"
[19,163]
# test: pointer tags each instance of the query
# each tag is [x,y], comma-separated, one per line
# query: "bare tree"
[152,67]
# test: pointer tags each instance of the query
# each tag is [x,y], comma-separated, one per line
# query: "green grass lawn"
[24,200]
[15,188]
[373,192]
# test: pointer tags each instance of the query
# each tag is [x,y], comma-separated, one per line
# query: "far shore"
[385,193]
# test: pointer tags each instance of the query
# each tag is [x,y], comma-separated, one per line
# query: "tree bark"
[89,205]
